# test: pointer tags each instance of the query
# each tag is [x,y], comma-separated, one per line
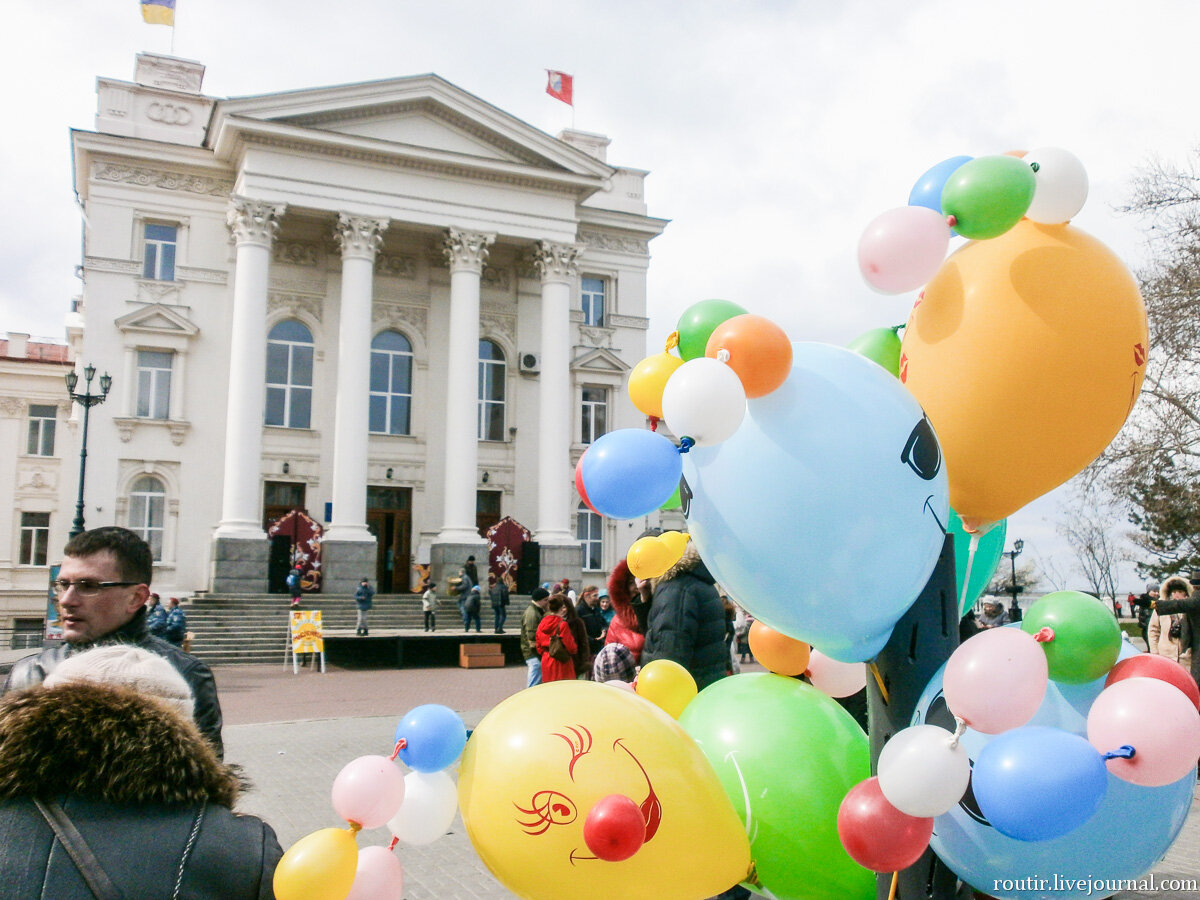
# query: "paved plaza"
[293,733]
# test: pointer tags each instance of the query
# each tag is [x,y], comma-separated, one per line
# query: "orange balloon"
[777,652]
[1027,353]
[760,352]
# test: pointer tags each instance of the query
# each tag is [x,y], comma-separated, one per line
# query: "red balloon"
[1147,665]
[615,828]
[877,835]
[579,484]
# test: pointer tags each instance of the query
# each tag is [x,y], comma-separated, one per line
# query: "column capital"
[467,249]
[254,221]
[359,237]
[556,262]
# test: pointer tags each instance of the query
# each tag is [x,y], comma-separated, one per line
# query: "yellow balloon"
[1027,352]
[667,685]
[319,866]
[676,542]
[540,760]
[648,379]
[649,557]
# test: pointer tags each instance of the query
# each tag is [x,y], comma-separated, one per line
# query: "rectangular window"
[154,384]
[589,529]
[158,261]
[595,413]
[591,292]
[42,420]
[35,538]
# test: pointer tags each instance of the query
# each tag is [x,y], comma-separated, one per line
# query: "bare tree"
[1050,571]
[1087,522]
[1028,577]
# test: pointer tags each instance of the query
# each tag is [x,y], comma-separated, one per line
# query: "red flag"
[560,86]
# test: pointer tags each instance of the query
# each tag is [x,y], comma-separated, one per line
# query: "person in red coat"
[554,623]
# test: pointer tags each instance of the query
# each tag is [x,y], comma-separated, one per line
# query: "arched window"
[492,370]
[147,512]
[391,383]
[289,375]
[589,528]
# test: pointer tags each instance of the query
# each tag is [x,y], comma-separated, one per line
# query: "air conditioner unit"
[530,363]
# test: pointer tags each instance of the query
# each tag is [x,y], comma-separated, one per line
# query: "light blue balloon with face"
[825,512]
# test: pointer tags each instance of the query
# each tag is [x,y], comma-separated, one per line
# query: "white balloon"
[430,802]
[837,679]
[1062,185]
[922,771]
[704,400]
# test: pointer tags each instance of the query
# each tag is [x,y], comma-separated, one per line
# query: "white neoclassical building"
[391,305]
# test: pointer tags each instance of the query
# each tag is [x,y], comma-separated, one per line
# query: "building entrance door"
[389,518]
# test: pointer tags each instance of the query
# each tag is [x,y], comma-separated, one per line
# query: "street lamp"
[1014,611]
[87,400]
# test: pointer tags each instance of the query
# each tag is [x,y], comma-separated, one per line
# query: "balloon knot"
[354,828]
[1125,751]
[960,727]
[1035,166]
[723,355]
[686,443]
[951,221]
[395,840]
[672,341]
[654,423]
[400,745]
[1045,635]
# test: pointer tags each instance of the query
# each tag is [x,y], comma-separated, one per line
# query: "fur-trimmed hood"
[1175,582]
[106,743]
[689,562]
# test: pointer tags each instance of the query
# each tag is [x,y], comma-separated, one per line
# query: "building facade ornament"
[292,304]
[254,221]
[396,266]
[596,336]
[13,407]
[602,240]
[499,326]
[115,266]
[556,262]
[159,292]
[143,176]
[411,319]
[467,249]
[359,237]
[297,253]
[495,279]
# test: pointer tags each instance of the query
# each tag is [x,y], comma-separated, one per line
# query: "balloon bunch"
[785,655]
[653,555]
[372,791]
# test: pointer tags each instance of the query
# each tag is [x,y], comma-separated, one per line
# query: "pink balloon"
[996,680]
[379,876]
[903,248]
[1154,718]
[368,791]
[837,679]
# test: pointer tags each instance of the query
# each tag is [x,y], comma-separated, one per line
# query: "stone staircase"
[251,629]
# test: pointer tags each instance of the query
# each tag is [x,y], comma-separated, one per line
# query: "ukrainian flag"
[159,12]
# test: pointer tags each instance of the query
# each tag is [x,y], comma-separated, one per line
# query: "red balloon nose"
[615,828]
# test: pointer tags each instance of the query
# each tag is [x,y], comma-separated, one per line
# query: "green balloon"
[674,501]
[1087,638]
[699,321]
[792,753]
[880,345]
[988,195]
[988,554]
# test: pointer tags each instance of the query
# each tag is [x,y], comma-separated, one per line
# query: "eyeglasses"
[86,587]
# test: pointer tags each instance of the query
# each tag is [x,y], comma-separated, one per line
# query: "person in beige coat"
[1158,631]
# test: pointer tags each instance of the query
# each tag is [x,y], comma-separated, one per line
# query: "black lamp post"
[87,400]
[1014,611]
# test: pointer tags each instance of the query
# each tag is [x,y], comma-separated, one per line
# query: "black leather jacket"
[207,711]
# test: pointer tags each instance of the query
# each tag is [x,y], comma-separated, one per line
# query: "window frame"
[144,526]
[42,429]
[497,368]
[588,300]
[389,396]
[34,540]
[155,377]
[153,265]
[591,522]
[290,389]
[588,413]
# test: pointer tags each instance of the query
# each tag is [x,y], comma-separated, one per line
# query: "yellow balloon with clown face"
[544,758]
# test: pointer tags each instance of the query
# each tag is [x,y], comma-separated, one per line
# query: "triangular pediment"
[422,112]
[158,319]
[597,360]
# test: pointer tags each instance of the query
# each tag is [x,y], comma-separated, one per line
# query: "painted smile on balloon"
[549,807]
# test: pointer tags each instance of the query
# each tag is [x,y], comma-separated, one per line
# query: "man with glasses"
[101,592]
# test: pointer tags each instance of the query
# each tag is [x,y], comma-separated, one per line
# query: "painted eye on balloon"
[685,496]
[921,451]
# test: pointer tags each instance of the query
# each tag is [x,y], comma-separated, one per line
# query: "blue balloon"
[1035,783]
[928,189]
[1147,819]
[630,472]
[835,474]
[433,735]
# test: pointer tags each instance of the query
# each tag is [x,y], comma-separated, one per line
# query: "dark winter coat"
[156,619]
[687,621]
[32,670]
[141,785]
[363,597]
[176,627]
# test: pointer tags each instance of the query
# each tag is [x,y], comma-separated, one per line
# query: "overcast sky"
[773,131]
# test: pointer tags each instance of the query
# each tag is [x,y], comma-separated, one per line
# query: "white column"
[359,239]
[467,251]
[556,263]
[254,225]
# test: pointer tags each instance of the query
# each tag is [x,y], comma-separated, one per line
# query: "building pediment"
[598,361]
[418,114]
[158,319]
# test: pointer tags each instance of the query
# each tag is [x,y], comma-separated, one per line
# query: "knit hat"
[127,666]
[539,594]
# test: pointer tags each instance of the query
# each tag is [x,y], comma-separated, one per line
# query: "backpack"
[558,650]
[293,580]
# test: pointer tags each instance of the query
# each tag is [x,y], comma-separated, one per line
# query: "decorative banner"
[308,634]
[505,540]
[305,533]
